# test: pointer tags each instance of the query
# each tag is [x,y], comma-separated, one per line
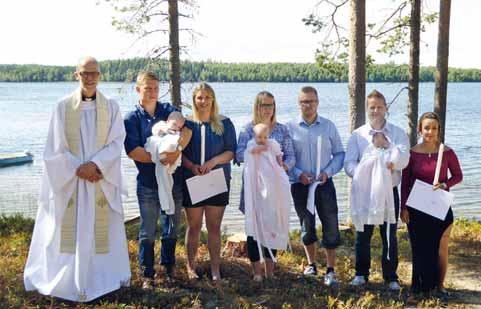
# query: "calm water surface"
[25,110]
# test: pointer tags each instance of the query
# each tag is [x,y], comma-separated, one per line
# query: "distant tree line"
[126,70]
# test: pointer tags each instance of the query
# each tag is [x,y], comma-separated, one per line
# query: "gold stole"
[72,134]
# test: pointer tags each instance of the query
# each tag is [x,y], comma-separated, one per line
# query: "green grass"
[288,290]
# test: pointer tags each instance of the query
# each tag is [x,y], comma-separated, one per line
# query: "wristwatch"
[179,147]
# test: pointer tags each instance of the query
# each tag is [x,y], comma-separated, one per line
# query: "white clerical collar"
[87,105]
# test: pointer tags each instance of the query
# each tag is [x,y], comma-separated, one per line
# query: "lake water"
[25,110]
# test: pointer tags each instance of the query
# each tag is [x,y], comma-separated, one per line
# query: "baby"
[371,195]
[379,140]
[261,137]
[166,139]
[267,201]
[169,132]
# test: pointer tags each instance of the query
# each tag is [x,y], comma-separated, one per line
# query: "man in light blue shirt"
[311,178]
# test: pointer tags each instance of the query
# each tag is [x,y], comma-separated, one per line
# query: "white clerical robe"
[267,197]
[82,275]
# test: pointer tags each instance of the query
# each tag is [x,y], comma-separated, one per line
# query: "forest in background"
[211,71]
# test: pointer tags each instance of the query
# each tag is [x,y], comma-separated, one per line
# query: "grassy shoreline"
[289,290]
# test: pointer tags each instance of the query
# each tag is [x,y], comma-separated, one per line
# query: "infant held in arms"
[165,139]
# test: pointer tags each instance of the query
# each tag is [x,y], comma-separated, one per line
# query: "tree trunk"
[441,77]
[174,58]
[357,64]
[235,246]
[412,110]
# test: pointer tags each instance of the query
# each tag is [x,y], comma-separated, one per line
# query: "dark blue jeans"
[150,212]
[363,248]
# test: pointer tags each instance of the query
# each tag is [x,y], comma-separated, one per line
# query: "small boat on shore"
[15,158]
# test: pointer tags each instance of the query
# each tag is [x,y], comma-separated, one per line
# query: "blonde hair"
[144,76]
[215,118]
[256,117]
[261,128]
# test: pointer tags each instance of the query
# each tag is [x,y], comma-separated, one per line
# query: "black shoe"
[169,271]
[310,270]
[442,294]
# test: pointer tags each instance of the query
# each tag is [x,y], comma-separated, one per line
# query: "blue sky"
[61,31]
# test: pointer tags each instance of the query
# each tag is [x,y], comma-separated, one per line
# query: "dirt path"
[464,277]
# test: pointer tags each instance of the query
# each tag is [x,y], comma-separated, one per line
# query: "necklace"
[431,151]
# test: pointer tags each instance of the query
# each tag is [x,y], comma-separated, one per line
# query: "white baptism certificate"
[432,202]
[204,186]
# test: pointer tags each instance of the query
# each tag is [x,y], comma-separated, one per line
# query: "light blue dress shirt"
[304,137]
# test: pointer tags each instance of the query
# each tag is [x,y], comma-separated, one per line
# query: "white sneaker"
[330,279]
[358,281]
[394,286]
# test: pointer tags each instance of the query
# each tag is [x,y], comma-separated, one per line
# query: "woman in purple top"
[429,235]
[264,111]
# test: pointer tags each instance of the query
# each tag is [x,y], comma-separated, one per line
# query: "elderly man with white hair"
[79,248]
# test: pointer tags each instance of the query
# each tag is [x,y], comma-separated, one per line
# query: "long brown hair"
[433,116]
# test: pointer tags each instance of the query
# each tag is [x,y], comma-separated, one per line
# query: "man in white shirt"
[358,142]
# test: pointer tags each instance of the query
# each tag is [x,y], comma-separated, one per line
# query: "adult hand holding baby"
[170,157]
[259,149]
[185,136]
[390,166]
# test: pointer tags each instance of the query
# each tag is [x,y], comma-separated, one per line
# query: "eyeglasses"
[267,106]
[89,74]
[307,102]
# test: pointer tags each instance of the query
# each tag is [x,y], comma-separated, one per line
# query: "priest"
[79,248]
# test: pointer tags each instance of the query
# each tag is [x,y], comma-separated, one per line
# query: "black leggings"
[253,251]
